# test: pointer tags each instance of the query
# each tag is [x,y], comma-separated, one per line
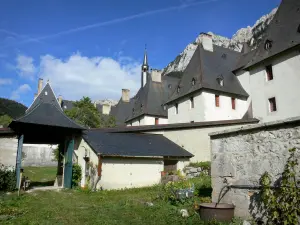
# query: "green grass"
[40,176]
[120,207]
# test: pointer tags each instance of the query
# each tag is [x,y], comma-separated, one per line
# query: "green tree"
[5,120]
[85,113]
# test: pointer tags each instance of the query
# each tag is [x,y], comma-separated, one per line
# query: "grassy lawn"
[40,176]
[101,207]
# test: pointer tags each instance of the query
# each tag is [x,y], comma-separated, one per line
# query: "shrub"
[7,178]
[76,175]
[281,205]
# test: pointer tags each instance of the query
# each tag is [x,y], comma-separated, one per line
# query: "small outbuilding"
[111,160]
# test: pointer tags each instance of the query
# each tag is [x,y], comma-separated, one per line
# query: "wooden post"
[68,164]
[19,160]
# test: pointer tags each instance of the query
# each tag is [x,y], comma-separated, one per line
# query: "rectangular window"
[272,104]
[217,100]
[176,108]
[233,103]
[192,102]
[156,121]
[269,72]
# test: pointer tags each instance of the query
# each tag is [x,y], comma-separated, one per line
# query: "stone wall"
[241,156]
[191,172]
[8,150]
[38,155]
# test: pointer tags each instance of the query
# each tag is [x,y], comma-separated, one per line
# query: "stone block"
[193,170]
[199,169]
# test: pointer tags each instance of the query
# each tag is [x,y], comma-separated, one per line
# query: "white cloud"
[96,77]
[25,66]
[22,89]
[5,81]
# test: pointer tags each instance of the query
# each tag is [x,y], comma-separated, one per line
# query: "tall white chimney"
[156,75]
[206,41]
[125,95]
[40,85]
[106,109]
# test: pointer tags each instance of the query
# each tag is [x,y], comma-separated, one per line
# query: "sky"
[95,48]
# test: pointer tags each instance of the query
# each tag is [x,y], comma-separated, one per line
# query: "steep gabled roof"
[283,32]
[205,68]
[121,111]
[151,98]
[130,144]
[45,110]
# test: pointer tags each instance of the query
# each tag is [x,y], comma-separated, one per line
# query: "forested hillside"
[11,108]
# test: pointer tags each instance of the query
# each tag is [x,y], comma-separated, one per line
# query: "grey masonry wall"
[8,150]
[38,155]
[240,156]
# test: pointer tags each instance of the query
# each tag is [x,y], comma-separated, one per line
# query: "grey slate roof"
[121,111]
[67,104]
[151,98]
[283,31]
[122,144]
[205,67]
[46,110]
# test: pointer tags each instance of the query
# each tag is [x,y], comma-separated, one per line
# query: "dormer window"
[220,81]
[193,82]
[141,106]
[268,44]
[133,111]
[169,86]
[46,93]
[178,89]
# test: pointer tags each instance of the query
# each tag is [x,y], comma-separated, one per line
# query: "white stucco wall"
[147,120]
[224,111]
[187,114]
[123,172]
[8,151]
[206,110]
[284,87]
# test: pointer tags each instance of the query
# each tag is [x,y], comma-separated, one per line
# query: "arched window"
[220,81]
[193,81]
[268,44]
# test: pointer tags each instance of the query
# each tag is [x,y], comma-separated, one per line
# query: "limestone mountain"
[251,35]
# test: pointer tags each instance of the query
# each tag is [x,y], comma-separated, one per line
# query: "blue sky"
[95,48]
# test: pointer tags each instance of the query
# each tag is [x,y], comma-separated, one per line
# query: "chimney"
[246,48]
[125,95]
[40,86]
[59,99]
[35,95]
[106,109]
[156,75]
[206,41]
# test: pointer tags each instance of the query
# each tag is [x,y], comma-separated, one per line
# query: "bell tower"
[145,69]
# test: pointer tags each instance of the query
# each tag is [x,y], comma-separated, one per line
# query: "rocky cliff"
[251,35]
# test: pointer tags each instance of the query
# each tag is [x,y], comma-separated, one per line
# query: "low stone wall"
[38,155]
[191,172]
[241,156]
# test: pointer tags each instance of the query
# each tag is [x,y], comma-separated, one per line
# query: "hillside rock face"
[251,35]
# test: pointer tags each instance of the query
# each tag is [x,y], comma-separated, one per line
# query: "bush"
[8,179]
[281,205]
[76,175]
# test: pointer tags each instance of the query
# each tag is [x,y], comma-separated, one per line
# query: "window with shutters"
[217,100]
[233,103]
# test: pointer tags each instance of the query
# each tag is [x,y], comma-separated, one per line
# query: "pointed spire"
[145,63]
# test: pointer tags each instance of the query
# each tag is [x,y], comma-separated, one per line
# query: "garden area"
[149,205]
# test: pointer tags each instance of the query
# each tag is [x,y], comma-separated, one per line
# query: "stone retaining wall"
[8,150]
[192,172]
[241,156]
